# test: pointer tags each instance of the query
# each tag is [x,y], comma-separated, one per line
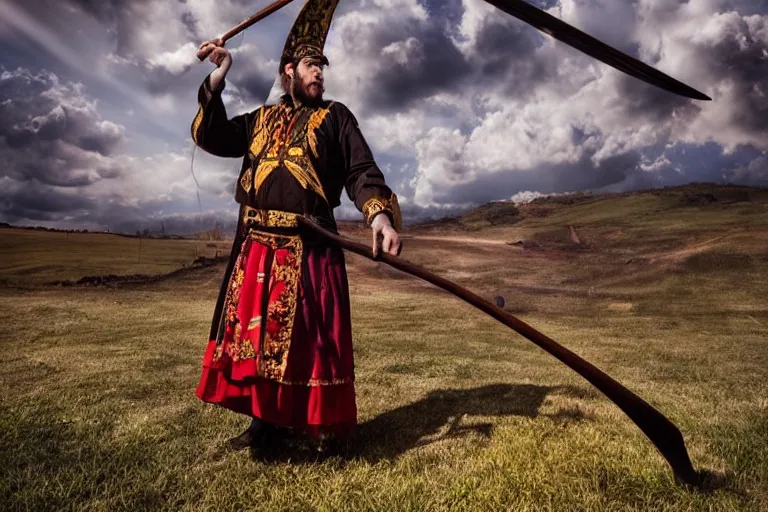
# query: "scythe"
[547,24]
[664,435]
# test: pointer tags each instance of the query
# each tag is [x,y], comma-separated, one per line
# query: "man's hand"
[210,49]
[391,243]
[219,56]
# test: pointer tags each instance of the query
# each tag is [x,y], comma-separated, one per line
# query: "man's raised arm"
[211,128]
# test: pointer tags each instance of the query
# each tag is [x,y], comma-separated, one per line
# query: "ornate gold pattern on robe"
[260,135]
[281,311]
[263,171]
[273,341]
[270,218]
[231,300]
[286,136]
[315,120]
[247,180]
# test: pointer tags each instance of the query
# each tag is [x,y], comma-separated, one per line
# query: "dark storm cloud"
[395,85]
[51,133]
[414,59]
[506,59]
[41,203]
[60,125]
[706,163]
[115,16]
[503,41]
[103,10]
[412,212]
[129,221]
[449,10]
[754,173]
[547,179]
[125,19]
[641,100]
[741,58]
[738,57]
[253,82]
[747,7]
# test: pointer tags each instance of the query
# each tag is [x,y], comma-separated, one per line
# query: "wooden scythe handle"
[661,432]
[279,4]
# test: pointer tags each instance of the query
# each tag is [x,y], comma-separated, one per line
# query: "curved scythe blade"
[664,435]
[585,43]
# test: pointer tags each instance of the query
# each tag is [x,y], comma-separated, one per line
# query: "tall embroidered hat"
[309,31]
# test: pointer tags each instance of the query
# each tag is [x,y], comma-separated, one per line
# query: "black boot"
[327,446]
[248,438]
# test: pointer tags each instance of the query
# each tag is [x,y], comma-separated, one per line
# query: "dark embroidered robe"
[296,159]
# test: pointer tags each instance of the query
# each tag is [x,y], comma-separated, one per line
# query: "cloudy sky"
[461,103]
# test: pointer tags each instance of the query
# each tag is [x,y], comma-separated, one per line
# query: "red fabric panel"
[320,394]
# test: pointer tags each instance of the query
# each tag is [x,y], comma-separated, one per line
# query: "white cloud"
[526,196]
[175,62]
[394,133]
[476,12]
[406,53]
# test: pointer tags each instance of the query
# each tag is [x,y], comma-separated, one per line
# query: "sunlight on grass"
[457,412]
[30,257]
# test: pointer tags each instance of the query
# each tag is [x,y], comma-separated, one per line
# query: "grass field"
[457,412]
[32,257]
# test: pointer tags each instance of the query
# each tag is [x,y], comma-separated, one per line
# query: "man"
[280,348]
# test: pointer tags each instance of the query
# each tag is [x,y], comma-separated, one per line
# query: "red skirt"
[286,355]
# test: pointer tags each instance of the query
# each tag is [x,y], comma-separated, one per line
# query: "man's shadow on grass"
[440,415]
[447,414]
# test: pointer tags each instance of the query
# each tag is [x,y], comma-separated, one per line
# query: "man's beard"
[308,95]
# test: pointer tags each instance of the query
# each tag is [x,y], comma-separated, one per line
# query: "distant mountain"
[499,213]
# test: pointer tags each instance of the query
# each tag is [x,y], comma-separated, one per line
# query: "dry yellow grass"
[457,412]
[32,257]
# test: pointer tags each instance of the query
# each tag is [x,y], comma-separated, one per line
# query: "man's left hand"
[391,240]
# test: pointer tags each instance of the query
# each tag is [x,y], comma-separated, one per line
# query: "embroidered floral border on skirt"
[286,355]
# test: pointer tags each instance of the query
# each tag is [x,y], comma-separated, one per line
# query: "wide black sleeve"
[364,181]
[212,130]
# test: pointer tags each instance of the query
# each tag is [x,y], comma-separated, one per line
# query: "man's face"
[308,80]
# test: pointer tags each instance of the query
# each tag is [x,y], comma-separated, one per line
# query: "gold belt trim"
[270,218]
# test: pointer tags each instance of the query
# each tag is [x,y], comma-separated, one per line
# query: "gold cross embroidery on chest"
[285,136]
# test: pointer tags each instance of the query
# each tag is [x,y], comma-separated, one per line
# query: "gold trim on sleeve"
[196,123]
[376,205]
